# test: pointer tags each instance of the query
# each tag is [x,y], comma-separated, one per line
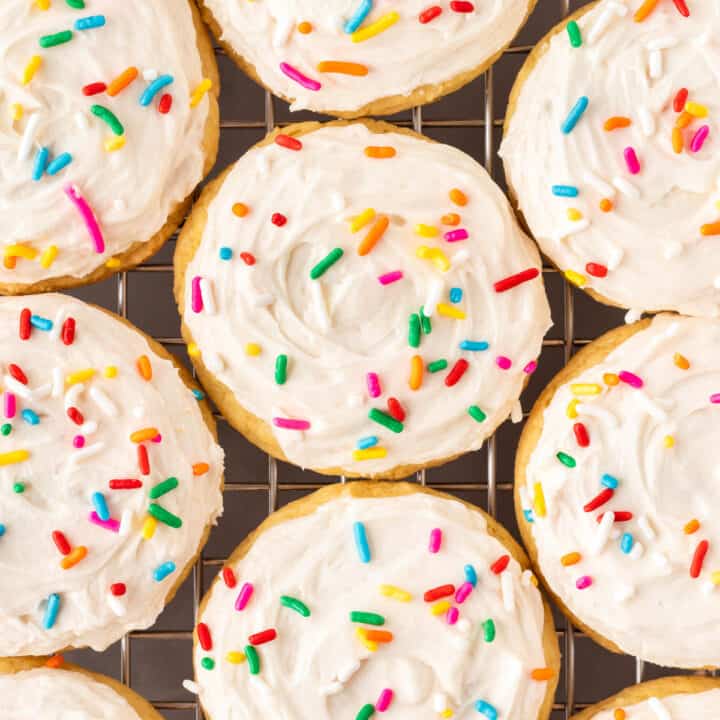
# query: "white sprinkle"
[116,605]
[655,64]
[191,686]
[213,362]
[338,202]
[150,74]
[17,387]
[355,400]
[283,28]
[661,712]
[56,329]
[516,414]
[89,428]
[633,315]
[647,121]
[58,382]
[572,229]
[126,522]
[332,689]
[638,550]
[460,257]
[527,578]
[672,250]
[600,185]
[81,121]
[618,8]
[708,587]
[524,497]
[508,590]
[138,411]
[600,25]
[346,673]
[624,593]
[601,413]
[439,702]
[602,534]
[106,405]
[645,527]
[85,453]
[208,296]
[262,300]
[650,406]
[662,43]
[262,162]
[626,188]
[616,256]
[40,393]
[615,534]
[432,298]
[28,137]
[72,395]
[463,626]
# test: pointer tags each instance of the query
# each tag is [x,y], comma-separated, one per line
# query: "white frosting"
[318,668]
[645,601]
[337,329]
[60,695]
[651,242]
[408,55]
[698,706]
[59,480]
[132,190]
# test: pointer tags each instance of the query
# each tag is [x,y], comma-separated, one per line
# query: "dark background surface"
[155,662]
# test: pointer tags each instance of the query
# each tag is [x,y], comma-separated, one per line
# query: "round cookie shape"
[109,121]
[616,488]
[32,689]
[359,300]
[669,698]
[110,476]
[382,596]
[352,58]
[610,151]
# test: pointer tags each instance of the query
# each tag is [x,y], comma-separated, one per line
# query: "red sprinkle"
[396,409]
[596,270]
[457,372]
[25,326]
[430,14]
[68,331]
[500,564]
[581,435]
[61,542]
[620,515]
[143,460]
[125,484]
[94,88]
[17,373]
[439,592]
[118,589]
[204,637]
[75,415]
[680,100]
[165,104]
[514,280]
[288,142]
[600,499]
[278,219]
[229,577]
[683,10]
[263,637]
[248,258]
[460,6]
[699,558]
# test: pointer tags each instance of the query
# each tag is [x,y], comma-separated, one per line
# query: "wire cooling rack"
[154,662]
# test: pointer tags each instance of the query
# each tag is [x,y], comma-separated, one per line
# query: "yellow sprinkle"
[79,376]
[359,222]
[110,371]
[440,607]
[22,251]
[585,389]
[200,91]
[148,528]
[235,657]
[715,577]
[669,441]
[369,644]
[373,453]
[426,230]
[13,457]
[447,713]
[43,4]
[48,256]
[253,349]
[534,580]
[574,214]
[539,500]
[17,111]
[575,278]
[395,593]
[435,255]
[611,379]
[114,143]
[193,350]
[113,264]
[31,68]
[450,311]
[696,109]
[571,411]
[379,26]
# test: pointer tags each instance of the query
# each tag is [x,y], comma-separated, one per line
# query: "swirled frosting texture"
[656,441]
[57,479]
[60,695]
[346,324]
[650,243]
[317,667]
[406,56]
[131,190]
[702,705]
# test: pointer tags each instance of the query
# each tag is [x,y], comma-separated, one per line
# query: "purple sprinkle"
[373,385]
[78,441]
[463,592]
[452,615]
[157,438]
[196,295]
[715,399]
[383,703]
[435,540]
[583,582]
[298,77]
[504,363]
[112,525]
[630,378]
[244,596]
[531,367]
[390,277]
[455,235]
[699,138]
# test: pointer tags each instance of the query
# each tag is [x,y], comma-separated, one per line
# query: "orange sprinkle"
[55,661]
[572,558]
[240,209]
[618,121]
[678,142]
[200,468]
[73,557]
[344,68]
[144,367]
[606,204]
[452,219]
[692,526]
[710,229]
[611,379]
[458,197]
[541,674]
[121,81]
[373,237]
[380,636]
[681,361]
[416,372]
[684,119]
[305,28]
[645,9]
[10,261]
[379,152]
[145,434]
[620,714]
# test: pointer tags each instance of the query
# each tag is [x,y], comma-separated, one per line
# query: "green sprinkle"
[476,413]
[573,31]
[76,4]
[366,711]
[163,487]
[437,366]
[281,369]
[326,263]
[208,663]
[386,420]
[567,460]
[253,660]
[164,516]
[488,630]
[414,330]
[48,41]
[19,488]
[366,618]
[108,117]
[6,429]
[295,604]
[426,322]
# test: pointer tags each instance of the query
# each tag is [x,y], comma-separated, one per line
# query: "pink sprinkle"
[78,442]
[244,596]
[390,277]
[197,299]
[88,216]
[632,161]
[630,379]
[383,703]
[10,404]
[504,363]
[699,138]
[463,592]
[435,540]
[452,615]
[531,367]
[715,399]
[455,235]
[298,77]
[291,424]
[157,438]
[583,582]
[112,525]
[373,385]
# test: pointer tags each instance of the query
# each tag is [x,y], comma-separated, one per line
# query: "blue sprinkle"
[361,542]
[101,508]
[470,575]
[90,23]
[41,161]
[565,190]
[486,709]
[609,481]
[367,442]
[41,323]
[162,571]
[626,543]
[2,529]
[528,515]
[60,162]
[574,115]
[359,15]
[226,253]
[51,611]
[30,417]
[154,88]
[474,345]
[456,295]
[198,394]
